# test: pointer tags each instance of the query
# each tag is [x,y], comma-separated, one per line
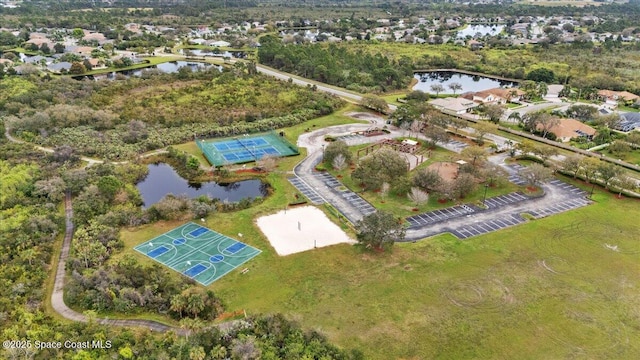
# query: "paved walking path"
[57,297]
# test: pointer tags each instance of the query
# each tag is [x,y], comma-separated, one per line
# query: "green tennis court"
[197,252]
[245,148]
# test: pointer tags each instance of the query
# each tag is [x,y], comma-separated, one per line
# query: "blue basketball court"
[197,252]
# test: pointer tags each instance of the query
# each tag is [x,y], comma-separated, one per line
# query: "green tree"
[542,75]
[77,68]
[536,174]
[384,165]
[494,112]
[427,179]
[544,152]
[607,172]
[58,48]
[454,86]
[245,347]
[109,186]
[375,103]
[483,128]
[125,352]
[463,185]
[437,88]
[474,154]
[192,163]
[77,33]
[619,148]
[634,139]
[334,149]
[572,164]
[379,230]
[417,96]
[590,168]
[622,183]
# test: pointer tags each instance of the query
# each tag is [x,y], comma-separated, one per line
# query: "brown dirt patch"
[447,170]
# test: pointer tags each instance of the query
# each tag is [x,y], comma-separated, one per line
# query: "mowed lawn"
[547,289]
[567,286]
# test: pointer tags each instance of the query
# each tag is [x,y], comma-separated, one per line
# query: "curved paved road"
[320,86]
[57,297]
[314,141]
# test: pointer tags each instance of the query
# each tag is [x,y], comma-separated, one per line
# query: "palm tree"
[195,303]
[178,304]
[219,352]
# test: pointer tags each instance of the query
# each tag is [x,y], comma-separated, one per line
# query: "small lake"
[168,67]
[472,83]
[480,30]
[206,52]
[163,180]
[215,53]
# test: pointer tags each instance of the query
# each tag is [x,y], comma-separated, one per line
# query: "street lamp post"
[322,153]
[484,198]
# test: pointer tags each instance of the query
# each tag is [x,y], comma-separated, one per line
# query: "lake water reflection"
[163,179]
[469,82]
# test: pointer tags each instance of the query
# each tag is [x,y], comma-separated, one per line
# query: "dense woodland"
[140,114]
[32,187]
[337,65]
[615,66]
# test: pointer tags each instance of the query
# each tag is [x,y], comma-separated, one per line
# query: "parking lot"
[483,227]
[308,192]
[506,199]
[568,187]
[354,199]
[458,145]
[559,207]
[349,137]
[328,179]
[432,217]
[500,213]
[515,178]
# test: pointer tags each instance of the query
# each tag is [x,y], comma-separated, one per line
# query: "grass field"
[632,156]
[546,289]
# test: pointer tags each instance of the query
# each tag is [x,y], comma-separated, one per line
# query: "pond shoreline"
[467,72]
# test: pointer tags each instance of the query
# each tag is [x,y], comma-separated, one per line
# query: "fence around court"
[216,156]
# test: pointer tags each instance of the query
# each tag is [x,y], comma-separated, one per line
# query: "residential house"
[39,41]
[6,62]
[84,51]
[613,98]
[628,122]
[37,60]
[496,96]
[487,97]
[568,129]
[453,105]
[133,27]
[96,36]
[511,94]
[198,41]
[97,64]
[60,67]
[220,43]
[475,44]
